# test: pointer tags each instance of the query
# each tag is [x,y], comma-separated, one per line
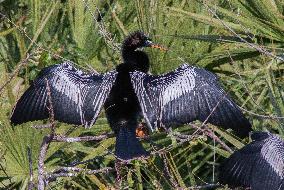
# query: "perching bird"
[259,165]
[127,93]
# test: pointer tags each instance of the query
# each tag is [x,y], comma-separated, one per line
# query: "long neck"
[135,60]
[127,52]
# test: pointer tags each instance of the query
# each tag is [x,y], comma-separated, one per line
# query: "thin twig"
[31,184]
[118,164]
[273,117]
[23,31]
[57,138]
[4,170]
[75,171]
[252,45]
[75,163]
[16,71]
[214,109]
[88,171]
[168,173]
[247,90]
[207,186]
[50,108]
[42,126]
[107,36]
[46,141]
[209,133]
[43,149]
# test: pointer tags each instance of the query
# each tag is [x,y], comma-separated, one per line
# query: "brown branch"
[185,138]
[46,141]
[209,133]
[50,108]
[52,137]
[43,149]
[118,165]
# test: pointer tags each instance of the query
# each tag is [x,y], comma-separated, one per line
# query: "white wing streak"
[77,97]
[186,94]
[259,165]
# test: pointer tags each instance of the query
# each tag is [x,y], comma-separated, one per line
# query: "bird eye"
[147,43]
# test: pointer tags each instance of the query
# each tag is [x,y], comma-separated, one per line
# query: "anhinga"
[258,166]
[186,94]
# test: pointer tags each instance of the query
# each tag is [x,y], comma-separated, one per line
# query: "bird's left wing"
[76,97]
[186,94]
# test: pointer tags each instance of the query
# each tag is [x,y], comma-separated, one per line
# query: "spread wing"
[259,165]
[184,95]
[76,97]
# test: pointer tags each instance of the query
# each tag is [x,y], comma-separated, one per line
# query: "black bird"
[259,165]
[127,93]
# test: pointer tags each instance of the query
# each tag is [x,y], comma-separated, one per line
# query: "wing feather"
[76,97]
[259,165]
[184,95]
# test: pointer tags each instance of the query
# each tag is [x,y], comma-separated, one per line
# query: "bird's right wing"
[186,94]
[76,97]
[259,165]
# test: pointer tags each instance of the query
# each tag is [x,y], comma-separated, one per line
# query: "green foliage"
[241,41]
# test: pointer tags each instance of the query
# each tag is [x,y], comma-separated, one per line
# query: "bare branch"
[168,173]
[118,164]
[46,141]
[43,149]
[23,31]
[50,108]
[102,29]
[207,186]
[57,138]
[31,184]
[87,171]
[42,126]
[75,171]
[16,71]
[209,133]
[273,117]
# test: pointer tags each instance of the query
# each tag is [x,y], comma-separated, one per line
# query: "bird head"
[138,60]
[137,40]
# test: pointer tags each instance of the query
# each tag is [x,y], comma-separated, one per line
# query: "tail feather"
[128,146]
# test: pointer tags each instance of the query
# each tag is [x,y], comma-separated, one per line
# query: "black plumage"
[77,97]
[129,93]
[189,93]
[259,165]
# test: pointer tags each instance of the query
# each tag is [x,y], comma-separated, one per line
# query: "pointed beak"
[152,45]
[159,47]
